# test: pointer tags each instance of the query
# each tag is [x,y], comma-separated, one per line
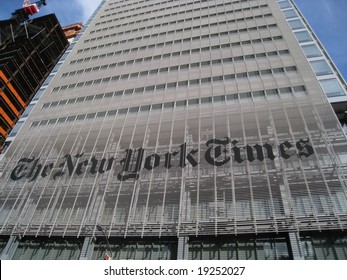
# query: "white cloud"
[88,7]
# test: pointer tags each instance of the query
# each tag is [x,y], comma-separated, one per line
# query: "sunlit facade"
[182,130]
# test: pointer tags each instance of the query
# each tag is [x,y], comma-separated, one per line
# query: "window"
[71,118]
[156,106]
[229,77]
[34,124]
[219,98]
[39,94]
[217,79]
[160,87]
[50,77]
[206,100]
[241,75]
[171,85]
[54,104]
[139,90]
[260,55]
[81,117]
[28,110]
[91,116]
[296,24]
[278,70]
[254,74]
[16,128]
[145,108]
[194,82]
[284,4]
[183,84]
[290,13]
[299,91]
[332,87]
[44,122]
[46,105]
[169,105]
[321,67]
[272,93]
[303,36]
[259,95]
[250,56]
[149,88]
[311,50]
[244,96]
[62,102]
[52,121]
[283,52]
[291,69]
[101,114]
[134,110]
[193,101]
[286,91]
[108,94]
[232,98]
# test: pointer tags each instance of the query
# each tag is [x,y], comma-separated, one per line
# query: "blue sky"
[327,18]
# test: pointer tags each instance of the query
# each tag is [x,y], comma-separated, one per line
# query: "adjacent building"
[182,130]
[28,53]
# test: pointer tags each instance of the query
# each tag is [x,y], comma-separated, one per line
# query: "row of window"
[154,18]
[130,4]
[321,67]
[241,97]
[296,24]
[167,32]
[167,8]
[290,14]
[159,3]
[198,38]
[173,67]
[178,41]
[285,4]
[120,93]
[177,84]
[186,29]
[174,22]
[188,11]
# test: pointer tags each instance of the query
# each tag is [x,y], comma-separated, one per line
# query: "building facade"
[28,53]
[182,130]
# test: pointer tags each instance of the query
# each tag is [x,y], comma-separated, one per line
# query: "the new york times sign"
[218,153]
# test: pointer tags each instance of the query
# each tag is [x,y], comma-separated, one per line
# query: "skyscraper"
[182,130]
[28,53]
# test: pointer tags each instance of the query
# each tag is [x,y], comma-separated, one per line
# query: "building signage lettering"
[218,153]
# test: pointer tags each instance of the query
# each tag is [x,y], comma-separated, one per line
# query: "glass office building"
[182,130]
